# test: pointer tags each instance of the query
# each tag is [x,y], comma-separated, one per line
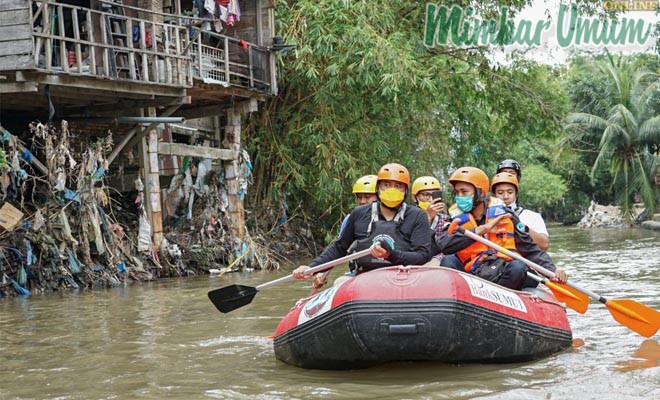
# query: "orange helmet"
[473,176]
[394,172]
[504,177]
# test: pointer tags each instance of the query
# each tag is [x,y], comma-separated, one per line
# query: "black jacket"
[414,227]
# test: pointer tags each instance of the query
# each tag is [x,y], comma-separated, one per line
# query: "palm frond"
[649,131]
[586,120]
[624,121]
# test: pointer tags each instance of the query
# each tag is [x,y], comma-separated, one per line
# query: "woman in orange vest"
[470,212]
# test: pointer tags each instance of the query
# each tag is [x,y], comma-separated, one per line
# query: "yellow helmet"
[366,184]
[425,183]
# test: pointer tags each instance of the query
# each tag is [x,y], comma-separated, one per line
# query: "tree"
[361,90]
[626,138]
[540,188]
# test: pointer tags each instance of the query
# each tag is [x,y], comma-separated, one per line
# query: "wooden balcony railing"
[230,61]
[107,43]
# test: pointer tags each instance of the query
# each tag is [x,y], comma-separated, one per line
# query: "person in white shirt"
[505,187]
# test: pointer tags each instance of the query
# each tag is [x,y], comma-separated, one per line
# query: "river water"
[166,340]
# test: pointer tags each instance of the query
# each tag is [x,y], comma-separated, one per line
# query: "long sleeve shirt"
[414,227]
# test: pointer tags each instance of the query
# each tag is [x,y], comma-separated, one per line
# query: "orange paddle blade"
[573,298]
[638,317]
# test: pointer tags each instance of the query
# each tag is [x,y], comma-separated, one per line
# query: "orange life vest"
[469,254]
[477,251]
[505,234]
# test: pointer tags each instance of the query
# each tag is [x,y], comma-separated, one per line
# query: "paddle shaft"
[317,268]
[531,264]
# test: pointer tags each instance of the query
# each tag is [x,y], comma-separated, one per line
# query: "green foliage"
[361,90]
[624,137]
[541,188]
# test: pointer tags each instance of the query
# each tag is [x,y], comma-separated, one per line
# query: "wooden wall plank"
[9,63]
[14,33]
[14,17]
[23,46]
[18,87]
[14,5]
[178,149]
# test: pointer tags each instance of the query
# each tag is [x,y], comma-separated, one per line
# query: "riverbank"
[653,224]
[608,216]
[62,226]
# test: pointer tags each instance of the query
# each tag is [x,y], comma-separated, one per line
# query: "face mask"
[464,203]
[423,205]
[391,197]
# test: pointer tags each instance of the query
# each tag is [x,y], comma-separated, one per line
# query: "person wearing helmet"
[510,166]
[472,212]
[427,194]
[505,187]
[364,190]
[395,233]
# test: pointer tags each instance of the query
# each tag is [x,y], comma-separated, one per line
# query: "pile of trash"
[62,227]
[608,216]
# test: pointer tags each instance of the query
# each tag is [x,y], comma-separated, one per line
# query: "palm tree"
[627,137]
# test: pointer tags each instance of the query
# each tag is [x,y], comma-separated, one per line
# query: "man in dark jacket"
[404,229]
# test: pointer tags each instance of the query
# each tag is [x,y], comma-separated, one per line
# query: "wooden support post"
[148,150]
[152,185]
[131,139]
[233,142]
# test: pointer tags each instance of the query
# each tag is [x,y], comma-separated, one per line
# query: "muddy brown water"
[166,340]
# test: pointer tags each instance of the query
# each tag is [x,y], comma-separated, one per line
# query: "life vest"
[471,253]
[505,234]
[477,251]
[380,230]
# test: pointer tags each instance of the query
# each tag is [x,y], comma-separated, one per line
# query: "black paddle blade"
[229,298]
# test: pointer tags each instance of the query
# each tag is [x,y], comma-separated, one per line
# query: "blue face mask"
[464,203]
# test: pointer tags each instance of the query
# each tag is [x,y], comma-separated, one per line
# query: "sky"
[550,52]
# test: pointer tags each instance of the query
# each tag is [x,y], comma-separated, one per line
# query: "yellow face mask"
[392,197]
[423,205]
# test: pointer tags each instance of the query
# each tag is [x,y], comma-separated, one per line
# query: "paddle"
[636,316]
[573,298]
[231,297]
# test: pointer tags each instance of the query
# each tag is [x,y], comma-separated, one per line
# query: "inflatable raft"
[420,313]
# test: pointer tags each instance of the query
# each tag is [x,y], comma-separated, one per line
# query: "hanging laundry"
[234,12]
[209,6]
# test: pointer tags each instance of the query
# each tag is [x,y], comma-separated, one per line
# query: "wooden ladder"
[118,37]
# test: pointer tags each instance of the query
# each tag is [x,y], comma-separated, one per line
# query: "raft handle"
[403,329]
